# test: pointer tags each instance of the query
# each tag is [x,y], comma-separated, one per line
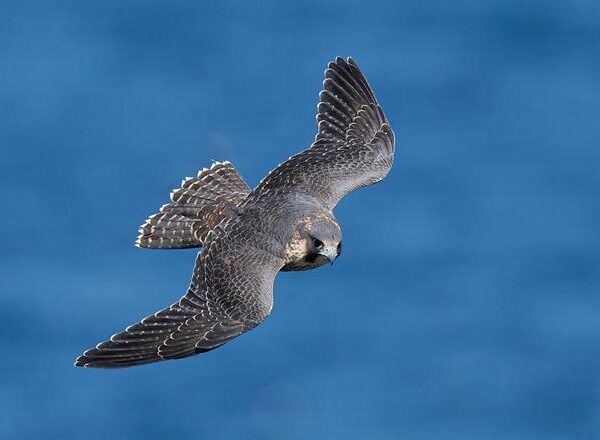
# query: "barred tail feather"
[198,206]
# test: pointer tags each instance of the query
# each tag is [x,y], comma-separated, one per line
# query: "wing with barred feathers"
[354,146]
[230,293]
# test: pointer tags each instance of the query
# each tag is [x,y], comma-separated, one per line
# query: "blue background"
[466,304]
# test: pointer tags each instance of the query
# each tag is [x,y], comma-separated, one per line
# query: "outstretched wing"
[354,146]
[230,293]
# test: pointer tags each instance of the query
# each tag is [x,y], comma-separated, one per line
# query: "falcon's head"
[317,240]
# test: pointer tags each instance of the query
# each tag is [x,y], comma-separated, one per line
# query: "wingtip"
[341,60]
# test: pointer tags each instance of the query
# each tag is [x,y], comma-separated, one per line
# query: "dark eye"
[318,244]
[339,248]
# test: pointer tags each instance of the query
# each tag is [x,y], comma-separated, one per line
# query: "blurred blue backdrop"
[466,304]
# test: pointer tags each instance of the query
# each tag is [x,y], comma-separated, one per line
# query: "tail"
[198,206]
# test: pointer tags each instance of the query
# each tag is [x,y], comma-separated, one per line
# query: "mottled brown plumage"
[285,223]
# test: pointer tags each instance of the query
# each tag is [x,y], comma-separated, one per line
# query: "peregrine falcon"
[247,236]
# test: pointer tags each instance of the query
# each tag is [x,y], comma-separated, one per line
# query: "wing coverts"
[354,145]
[231,292]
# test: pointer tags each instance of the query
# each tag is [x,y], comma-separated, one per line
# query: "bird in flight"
[247,236]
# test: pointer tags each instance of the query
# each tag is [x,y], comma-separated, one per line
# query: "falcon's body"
[247,237]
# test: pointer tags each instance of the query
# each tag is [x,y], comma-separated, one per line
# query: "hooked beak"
[330,254]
